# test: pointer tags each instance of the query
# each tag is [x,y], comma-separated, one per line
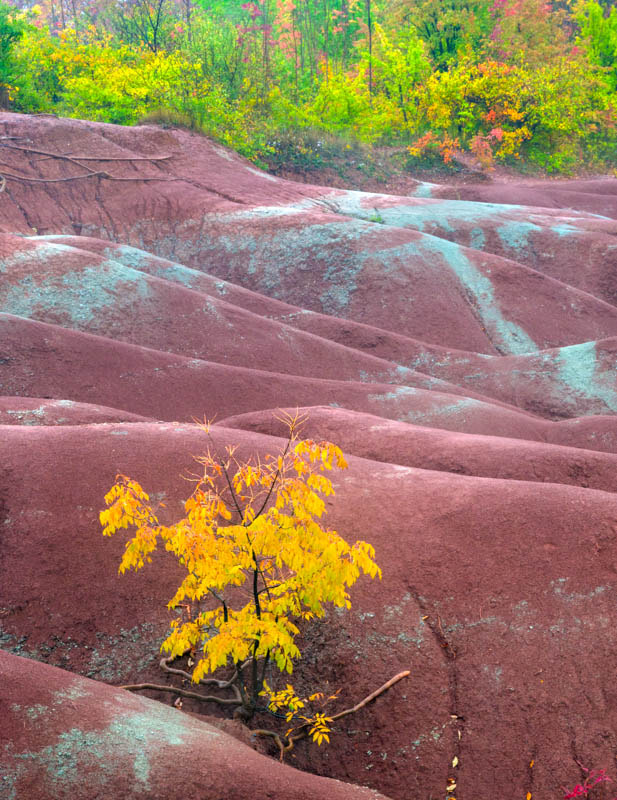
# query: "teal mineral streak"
[396,394]
[564,229]
[418,417]
[559,588]
[80,295]
[270,260]
[515,235]
[32,416]
[461,406]
[580,372]
[128,256]
[512,339]
[477,239]
[424,189]
[136,738]
[447,215]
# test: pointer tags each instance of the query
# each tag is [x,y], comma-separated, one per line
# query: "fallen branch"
[83,158]
[106,175]
[373,695]
[303,730]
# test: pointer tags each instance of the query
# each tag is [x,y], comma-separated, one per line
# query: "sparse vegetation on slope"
[519,82]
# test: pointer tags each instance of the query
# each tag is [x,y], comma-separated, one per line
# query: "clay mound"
[492,589]
[428,448]
[436,290]
[579,379]
[437,340]
[594,196]
[596,433]
[47,360]
[76,738]
[43,411]
[183,198]
[572,246]
[76,287]
[59,284]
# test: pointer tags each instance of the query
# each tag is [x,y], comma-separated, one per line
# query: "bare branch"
[302,731]
[67,157]
[373,695]
[106,175]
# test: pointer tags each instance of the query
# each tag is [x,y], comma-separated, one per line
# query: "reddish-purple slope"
[44,411]
[43,360]
[428,448]
[499,582]
[62,285]
[76,288]
[572,246]
[71,737]
[492,589]
[297,243]
[595,196]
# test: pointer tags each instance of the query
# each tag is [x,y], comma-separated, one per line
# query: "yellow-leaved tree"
[258,560]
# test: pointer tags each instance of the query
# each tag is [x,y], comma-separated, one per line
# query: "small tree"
[258,560]
[11,29]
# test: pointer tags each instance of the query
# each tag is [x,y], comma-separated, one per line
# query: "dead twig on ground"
[68,157]
[302,732]
[105,175]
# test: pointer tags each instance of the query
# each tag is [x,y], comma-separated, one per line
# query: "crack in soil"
[434,623]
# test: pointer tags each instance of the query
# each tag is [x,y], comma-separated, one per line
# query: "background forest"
[522,82]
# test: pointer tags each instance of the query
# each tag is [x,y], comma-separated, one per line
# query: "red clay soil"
[391,442]
[41,411]
[461,349]
[492,589]
[86,740]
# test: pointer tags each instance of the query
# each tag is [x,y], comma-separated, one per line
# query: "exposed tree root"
[284,743]
[74,158]
[302,732]
[106,175]
[136,687]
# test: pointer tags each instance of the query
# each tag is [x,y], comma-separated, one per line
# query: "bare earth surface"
[459,343]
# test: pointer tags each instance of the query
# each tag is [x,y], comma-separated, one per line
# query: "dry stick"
[106,175]
[373,695]
[48,155]
[84,158]
[134,687]
[302,733]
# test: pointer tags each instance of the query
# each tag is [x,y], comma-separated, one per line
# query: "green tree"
[599,37]
[11,30]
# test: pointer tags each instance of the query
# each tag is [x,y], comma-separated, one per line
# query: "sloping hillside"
[459,347]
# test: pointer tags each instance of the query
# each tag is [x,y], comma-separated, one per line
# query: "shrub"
[258,560]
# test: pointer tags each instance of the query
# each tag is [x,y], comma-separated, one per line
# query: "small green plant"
[258,561]
[377,217]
